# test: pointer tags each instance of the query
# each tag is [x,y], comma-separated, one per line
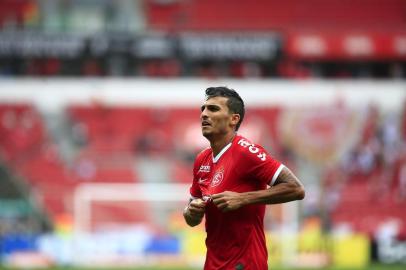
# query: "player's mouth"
[206,124]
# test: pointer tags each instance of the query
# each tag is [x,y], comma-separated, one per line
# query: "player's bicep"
[287,176]
[276,174]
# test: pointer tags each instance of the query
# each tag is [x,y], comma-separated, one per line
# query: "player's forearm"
[191,220]
[284,192]
[286,188]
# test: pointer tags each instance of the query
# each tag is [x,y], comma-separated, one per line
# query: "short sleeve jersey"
[235,239]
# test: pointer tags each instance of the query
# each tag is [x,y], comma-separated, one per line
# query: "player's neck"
[218,144]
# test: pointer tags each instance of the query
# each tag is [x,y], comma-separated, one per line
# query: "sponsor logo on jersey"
[201,180]
[204,168]
[217,178]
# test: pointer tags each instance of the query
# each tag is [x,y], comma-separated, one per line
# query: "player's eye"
[213,108]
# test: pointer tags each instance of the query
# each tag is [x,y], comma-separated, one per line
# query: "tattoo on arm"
[286,176]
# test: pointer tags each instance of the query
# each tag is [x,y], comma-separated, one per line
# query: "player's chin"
[205,134]
[206,131]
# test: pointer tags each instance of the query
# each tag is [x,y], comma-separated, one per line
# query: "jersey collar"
[225,148]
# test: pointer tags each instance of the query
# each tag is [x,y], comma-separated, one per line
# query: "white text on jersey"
[252,148]
[204,168]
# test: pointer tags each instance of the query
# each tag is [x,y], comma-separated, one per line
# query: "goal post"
[87,194]
[165,201]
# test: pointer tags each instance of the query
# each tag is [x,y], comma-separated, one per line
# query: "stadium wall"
[52,94]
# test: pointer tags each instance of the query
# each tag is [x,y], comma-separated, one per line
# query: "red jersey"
[235,239]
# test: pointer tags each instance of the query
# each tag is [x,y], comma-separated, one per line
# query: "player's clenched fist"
[197,207]
[227,200]
[194,212]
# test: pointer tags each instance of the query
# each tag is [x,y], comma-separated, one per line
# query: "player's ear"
[235,118]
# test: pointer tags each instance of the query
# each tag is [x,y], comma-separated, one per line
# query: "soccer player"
[233,180]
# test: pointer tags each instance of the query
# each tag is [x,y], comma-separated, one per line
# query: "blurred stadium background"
[99,125]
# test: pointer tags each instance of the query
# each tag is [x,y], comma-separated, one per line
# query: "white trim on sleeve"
[275,176]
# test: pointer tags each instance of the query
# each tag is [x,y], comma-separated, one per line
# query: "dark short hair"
[235,103]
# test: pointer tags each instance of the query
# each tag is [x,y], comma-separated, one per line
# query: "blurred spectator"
[85,169]
[79,134]
[390,137]
[402,181]
[380,179]
[156,139]
[403,122]
[333,179]
[370,124]
[154,142]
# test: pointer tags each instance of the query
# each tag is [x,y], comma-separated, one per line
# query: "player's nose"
[203,114]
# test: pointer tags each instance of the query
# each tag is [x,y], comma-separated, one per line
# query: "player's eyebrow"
[211,107]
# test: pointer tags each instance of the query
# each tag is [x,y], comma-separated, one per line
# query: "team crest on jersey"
[204,168]
[218,177]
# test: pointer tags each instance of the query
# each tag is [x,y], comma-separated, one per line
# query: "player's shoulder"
[201,158]
[203,154]
[243,144]
[245,148]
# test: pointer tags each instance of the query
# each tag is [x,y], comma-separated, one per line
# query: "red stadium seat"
[217,15]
